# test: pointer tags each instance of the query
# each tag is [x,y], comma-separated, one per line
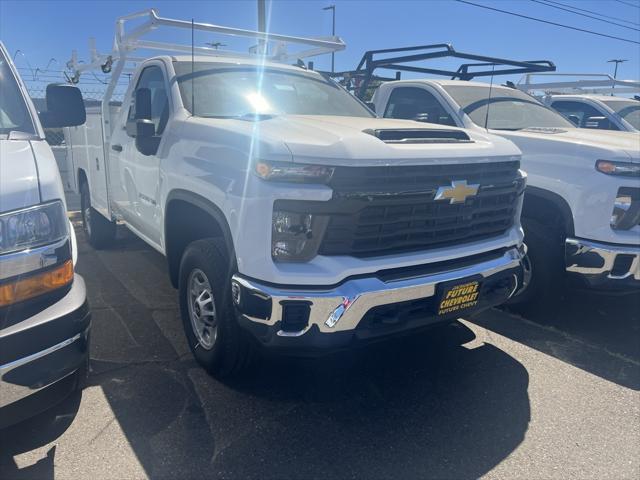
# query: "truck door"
[140,174]
[95,167]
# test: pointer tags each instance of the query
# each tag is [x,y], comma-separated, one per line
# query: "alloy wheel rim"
[202,309]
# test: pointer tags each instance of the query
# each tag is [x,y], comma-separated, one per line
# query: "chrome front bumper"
[13,386]
[600,265]
[42,345]
[337,309]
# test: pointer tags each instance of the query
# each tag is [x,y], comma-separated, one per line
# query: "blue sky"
[46,29]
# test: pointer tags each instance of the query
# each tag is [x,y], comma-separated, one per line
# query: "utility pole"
[262,26]
[615,71]
[333,32]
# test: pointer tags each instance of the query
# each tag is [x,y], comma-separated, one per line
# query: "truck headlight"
[626,209]
[624,169]
[32,227]
[295,237]
[35,252]
[296,173]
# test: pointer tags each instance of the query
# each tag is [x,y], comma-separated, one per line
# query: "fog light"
[626,209]
[296,236]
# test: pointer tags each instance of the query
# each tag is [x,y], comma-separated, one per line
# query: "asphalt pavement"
[497,396]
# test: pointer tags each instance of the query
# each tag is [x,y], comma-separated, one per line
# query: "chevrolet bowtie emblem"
[458,192]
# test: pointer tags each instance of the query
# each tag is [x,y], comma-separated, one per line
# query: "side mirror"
[143,104]
[142,111]
[372,106]
[147,142]
[65,107]
[145,128]
[421,117]
[600,123]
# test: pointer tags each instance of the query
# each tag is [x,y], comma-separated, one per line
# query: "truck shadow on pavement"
[43,429]
[440,404]
[425,406]
[596,333]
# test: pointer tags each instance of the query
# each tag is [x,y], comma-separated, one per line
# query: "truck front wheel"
[216,340]
[99,231]
[546,258]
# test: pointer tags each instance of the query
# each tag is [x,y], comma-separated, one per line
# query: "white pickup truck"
[601,112]
[582,203]
[289,214]
[588,100]
[44,315]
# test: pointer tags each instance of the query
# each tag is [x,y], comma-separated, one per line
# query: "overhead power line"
[548,22]
[627,3]
[595,13]
[542,2]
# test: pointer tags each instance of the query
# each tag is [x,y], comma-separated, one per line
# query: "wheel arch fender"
[538,202]
[183,210]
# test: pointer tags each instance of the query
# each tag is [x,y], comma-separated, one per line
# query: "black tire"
[545,251]
[100,232]
[231,352]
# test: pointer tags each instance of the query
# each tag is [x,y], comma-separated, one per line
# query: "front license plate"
[458,297]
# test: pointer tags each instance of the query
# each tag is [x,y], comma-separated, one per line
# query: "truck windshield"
[627,109]
[230,91]
[509,109]
[14,114]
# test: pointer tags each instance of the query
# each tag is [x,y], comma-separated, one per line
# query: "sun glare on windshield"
[258,102]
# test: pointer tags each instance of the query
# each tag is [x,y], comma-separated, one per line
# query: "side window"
[412,103]
[583,115]
[153,79]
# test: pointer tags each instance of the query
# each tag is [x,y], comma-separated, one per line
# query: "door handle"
[117,148]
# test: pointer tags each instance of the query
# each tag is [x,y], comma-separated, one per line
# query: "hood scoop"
[420,135]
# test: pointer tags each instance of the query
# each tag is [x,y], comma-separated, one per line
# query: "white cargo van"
[44,315]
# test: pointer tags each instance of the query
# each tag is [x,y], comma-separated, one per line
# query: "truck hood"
[335,140]
[626,143]
[18,175]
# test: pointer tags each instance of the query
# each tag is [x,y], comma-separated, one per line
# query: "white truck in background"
[588,100]
[288,213]
[581,213]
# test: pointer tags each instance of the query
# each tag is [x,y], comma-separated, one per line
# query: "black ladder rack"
[359,80]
